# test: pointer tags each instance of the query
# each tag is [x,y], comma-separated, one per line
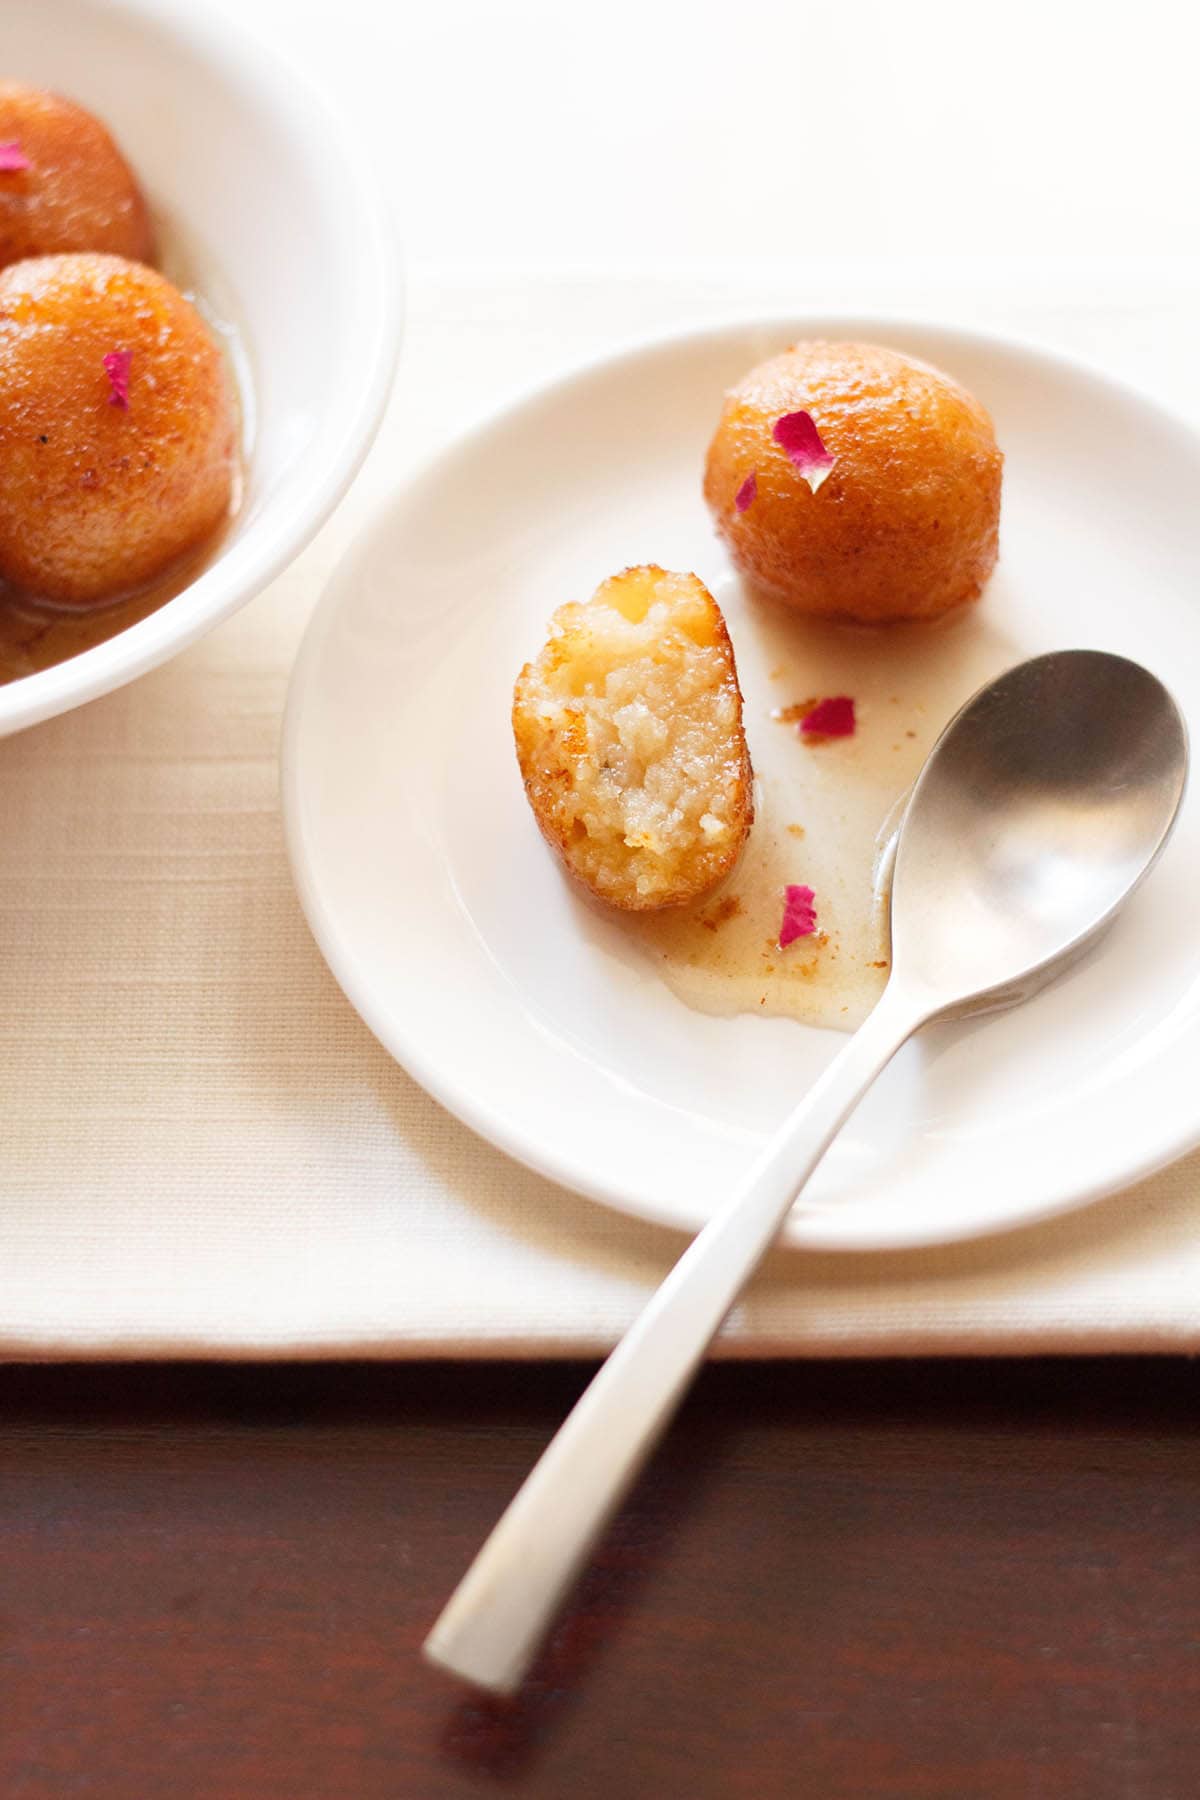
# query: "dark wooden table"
[861,1580]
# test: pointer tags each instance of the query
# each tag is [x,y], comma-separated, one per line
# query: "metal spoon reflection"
[1043,804]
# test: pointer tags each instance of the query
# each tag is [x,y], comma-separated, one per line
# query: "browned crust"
[97,499]
[78,192]
[906,524]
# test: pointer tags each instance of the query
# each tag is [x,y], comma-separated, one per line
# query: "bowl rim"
[213,36]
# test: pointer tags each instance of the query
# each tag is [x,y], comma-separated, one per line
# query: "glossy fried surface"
[628,729]
[96,498]
[905,526]
[78,192]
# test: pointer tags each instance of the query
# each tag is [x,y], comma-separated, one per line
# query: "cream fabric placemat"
[203,1151]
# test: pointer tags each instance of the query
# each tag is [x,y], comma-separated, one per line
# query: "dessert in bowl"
[260,217]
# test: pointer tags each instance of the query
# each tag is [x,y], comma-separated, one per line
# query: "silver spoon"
[1043,804]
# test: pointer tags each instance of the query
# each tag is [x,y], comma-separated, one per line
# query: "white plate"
[452,931]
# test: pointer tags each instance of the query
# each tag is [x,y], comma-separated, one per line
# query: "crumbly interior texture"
[629,734]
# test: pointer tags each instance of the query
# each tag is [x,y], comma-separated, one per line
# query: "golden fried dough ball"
[904,524]
[96,497]
[64,185]
[629,736]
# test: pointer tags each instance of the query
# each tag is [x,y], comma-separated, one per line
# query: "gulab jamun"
[118,427]
[901,523]
[64,185]
[629,734]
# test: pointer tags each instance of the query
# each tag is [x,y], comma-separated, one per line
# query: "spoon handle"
[492,1625]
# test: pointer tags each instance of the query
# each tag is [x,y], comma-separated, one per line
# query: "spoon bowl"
[1046,800]
[1043,804]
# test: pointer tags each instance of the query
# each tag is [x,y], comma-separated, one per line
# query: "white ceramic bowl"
[269,184]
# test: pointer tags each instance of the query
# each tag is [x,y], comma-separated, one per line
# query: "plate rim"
[803,1231]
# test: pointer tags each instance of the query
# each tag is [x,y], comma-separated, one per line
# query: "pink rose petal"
[116,367]
[830,718]
[797,434]
[799,915]
[746,493]
[12,157]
